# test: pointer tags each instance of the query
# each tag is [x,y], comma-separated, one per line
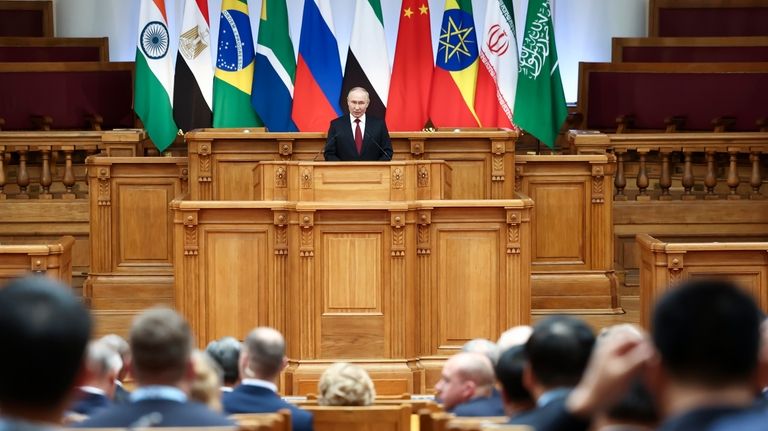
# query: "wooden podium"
[368,262]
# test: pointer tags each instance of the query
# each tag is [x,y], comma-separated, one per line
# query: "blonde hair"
[206,386]
[345,384]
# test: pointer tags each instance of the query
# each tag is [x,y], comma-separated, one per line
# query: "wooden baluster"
[642,179]
[710,180]
[22,177]
[620,181]
[2,173]
[45,176]
[757,179]
[665,181]
[687,177]
[69,175]
[733,176]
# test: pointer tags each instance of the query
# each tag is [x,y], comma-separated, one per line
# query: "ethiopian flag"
[233,77]
[452,101]
[154,75]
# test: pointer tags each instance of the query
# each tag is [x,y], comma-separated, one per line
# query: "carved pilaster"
[598,193]
[306,223]
[307,284]
[514,218]
[104,198]
[281,233]
[278,291]
[205,176]
[519,178]
[190,234]
[398,178]
[423,176]
[397,221]
[423,241]
[184,179]
[675,265]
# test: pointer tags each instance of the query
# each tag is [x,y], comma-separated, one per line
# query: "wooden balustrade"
[684,166]
[50,164]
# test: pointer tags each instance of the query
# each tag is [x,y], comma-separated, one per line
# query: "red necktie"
[358,137]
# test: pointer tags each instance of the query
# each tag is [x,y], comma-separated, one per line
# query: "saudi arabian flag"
[233,77]
[540,102]
[154,75]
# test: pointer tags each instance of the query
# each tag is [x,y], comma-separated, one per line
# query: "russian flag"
[318,70]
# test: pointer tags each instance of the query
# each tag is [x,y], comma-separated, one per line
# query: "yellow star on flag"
[408,12]
[460,47]
[423,9]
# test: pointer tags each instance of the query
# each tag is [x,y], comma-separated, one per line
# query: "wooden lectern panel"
[560,213]
[144,225]
[352,273]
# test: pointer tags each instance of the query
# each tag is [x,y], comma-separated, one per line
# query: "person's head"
[358,101]
[345,384]
[102,365]
[263,355]
[484,346]
[226,353]
[514,336]
[44,330]
[707,333]
[118,344]
[206,385]
[558,351]
[509,372]
[161,342]
[464,376]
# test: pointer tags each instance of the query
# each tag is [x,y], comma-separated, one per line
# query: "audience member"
[482,346]
[206,385]
[161,343]
[118,344]
[102,364]
[466,386]
[261,361]
[509,372]
[43,332]
[557,353]
[514,336]
[345,384]
[226,353]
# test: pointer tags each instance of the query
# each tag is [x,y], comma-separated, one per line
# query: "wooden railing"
[682,166]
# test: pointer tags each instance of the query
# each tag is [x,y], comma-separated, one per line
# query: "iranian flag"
[367,60]
[154,75]
[497,76]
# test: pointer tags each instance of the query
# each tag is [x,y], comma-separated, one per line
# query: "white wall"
[583,27]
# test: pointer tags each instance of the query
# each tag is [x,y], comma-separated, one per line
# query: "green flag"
[540,103]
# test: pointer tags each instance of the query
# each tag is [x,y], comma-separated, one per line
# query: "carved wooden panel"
[143,224]
[469,178]
[236,263]
[467,283]
[352,273]
[560,223]
[229,185]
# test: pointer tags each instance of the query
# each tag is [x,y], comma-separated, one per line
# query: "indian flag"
[154,75]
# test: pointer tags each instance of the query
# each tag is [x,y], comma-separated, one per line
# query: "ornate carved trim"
[397,178]
[498,168]
[519,178]
[397,221]
[417,147]
[423,176]
[675,265]
[104,198]
[281,177]
[204,164]
[306,178]
[423,246]
[598,194]
[190,234]
[285,148]
[281,233]
[513,231]
[306,223]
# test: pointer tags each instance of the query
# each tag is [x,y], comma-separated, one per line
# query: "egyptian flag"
[193,83]
[367,60]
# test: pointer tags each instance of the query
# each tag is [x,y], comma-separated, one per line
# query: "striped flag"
[272,94]
[452,101]
[193,83]
[318,70]
[367,60]
[154,75]
[497,76]
[233,78]
[408,103]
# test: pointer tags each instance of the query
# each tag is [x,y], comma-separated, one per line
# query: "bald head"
[473,366]
[264,353]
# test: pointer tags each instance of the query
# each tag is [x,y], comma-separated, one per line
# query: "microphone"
[389,156]
[322,149]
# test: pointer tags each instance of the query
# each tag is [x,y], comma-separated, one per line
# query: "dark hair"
[509,372]
[559,349]
[161,342]
[43,333]
[636,406]
[708,332]
[226,353]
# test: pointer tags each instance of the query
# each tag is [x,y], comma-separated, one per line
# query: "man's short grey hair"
[483,346]
[101,359]
[161,342]
[361,89]
[116,343]
[266,349]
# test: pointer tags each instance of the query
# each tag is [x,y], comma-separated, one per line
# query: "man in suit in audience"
[43,334]
[509,373]
[466,386]
[102,364]
[226,353]
[358,136]
[161,342]
[119,345]
[261,361]
[557,353]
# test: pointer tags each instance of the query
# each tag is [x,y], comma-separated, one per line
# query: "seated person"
[509,372]
[345,384]
[118,344]
[357,136]
[466,386]
[102,364]
[226,352]
[206,385]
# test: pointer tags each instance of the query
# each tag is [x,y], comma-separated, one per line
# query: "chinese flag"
[408,102]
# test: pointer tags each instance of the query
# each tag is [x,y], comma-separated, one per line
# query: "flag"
[272,95]
[408,102]
[318,70]
[497,75]
[367,59]
[154,75]
[452,100]
[540,102]
[193,82]
[233,78]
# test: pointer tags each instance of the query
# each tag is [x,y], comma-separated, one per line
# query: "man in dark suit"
[119,345]
[466,386]
[357,136]
[161,342]
[102,364]
[43,334]
[261,361]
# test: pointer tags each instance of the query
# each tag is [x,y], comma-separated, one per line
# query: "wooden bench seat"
[36,49]
[368,418]
[708,18]
[689,49]
[66,96]
[652,93]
